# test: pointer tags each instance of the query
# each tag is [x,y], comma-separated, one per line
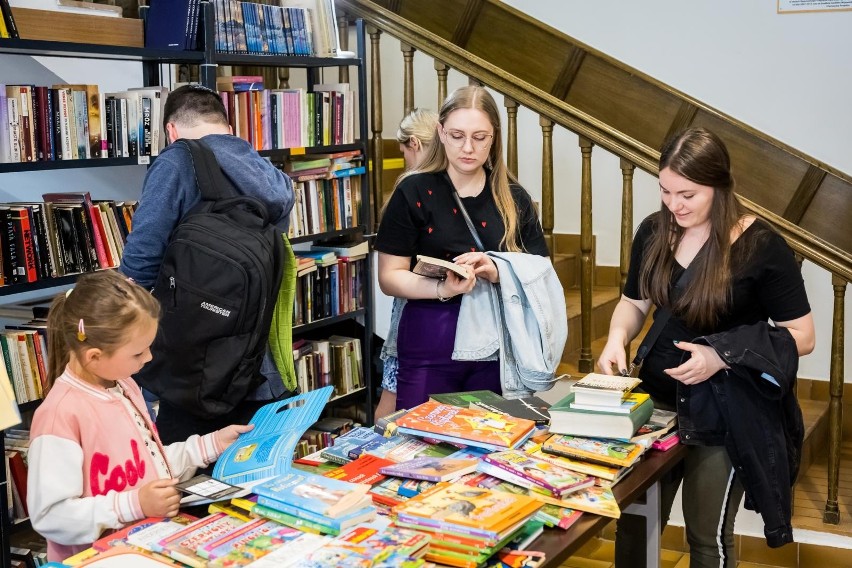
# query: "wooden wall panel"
[830,213]
[438,16]
[623,101]
[764,173]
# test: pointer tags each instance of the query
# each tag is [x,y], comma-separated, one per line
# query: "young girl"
[95,461]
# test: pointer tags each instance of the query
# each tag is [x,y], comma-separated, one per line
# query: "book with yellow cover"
[468,426]
[475,511]
[597,500]
[607,452]
[607,473]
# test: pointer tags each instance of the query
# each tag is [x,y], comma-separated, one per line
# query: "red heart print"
[429,191]
[455,211]
[472,249]
[418,204]
[483,223]
[430,230]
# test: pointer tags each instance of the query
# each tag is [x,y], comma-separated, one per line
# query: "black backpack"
[217,286]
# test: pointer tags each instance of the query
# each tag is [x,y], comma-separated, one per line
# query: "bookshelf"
[357,322]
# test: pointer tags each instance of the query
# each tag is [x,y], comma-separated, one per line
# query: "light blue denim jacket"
[388,354]
[522,320]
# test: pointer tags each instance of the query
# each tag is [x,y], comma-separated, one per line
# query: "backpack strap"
[212,182]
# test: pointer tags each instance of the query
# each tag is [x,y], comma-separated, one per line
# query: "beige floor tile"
[683,562]
[606,551]
[753,549]
[824,556]
[670,558]
[577,562]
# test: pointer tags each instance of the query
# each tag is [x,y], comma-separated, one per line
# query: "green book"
[595,423]
[465,399]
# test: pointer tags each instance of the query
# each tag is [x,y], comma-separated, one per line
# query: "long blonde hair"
[420,124]
[110,307]
[435,159]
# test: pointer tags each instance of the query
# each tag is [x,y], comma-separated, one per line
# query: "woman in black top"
[422,218]
[743,273]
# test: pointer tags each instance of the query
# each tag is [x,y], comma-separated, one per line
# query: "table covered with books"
[466,479]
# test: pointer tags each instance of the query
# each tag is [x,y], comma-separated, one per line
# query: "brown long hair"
[110,307]
[701,157]
[435,159]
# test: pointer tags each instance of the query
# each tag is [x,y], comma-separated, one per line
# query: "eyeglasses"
[479,140]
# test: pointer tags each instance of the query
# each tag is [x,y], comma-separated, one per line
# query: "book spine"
[291,520]
[14,129]
[298,512]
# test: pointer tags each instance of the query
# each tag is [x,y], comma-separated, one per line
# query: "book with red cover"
[18,471]
[24,237]
[119,537]
[365,469]
[468,426]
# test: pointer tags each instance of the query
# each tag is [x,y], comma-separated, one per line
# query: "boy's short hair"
[190,104]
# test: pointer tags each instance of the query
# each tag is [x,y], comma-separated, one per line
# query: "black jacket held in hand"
[752,407]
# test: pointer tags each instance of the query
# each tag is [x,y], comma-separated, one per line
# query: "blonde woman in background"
[416,134]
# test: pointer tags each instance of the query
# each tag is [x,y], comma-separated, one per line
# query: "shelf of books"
[95,51]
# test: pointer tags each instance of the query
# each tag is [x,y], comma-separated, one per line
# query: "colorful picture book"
[608,473]
[431,469]
[183,544]
[466,426]
[597,388]
[267,450]
[314,493]
[607,452]
[283,549]
[368,546]
[597,500]
[537,474]
[366,469]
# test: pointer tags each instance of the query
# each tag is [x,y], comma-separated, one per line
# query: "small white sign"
[799,6]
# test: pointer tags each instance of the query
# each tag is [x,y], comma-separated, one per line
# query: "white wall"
[786,75]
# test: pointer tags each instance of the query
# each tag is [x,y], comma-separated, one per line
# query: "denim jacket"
[521,321]
[389,353]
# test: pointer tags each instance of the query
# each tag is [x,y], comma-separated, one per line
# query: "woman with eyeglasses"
[422,217]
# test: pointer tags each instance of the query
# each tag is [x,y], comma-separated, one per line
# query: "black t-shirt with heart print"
[422,218]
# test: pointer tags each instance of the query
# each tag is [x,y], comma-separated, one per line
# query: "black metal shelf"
[69,164]
[326,235]
[259,60]
[283,153]
[20,525]
[95,51]
[29,405]
[320,323]
[348,397]
[43,284]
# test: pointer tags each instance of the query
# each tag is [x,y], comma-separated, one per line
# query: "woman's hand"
[229,434]
[613,354]
[482,265]
[702,364]
[159,498]
[455,284]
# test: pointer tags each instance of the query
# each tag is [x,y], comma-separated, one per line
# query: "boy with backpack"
[215,368]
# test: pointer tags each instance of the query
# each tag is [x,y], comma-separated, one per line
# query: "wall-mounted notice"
[799,6]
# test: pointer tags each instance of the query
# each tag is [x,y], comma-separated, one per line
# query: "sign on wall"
[799,6]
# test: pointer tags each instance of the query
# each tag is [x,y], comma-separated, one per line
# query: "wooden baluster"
[442,71]
[546,182]
[586,363]
[627,170]
[407,78]
[376,121]
[283,77]
[343,35]
[512,135]
[835,406]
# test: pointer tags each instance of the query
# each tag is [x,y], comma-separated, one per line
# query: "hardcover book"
[597,388]
[432,267]
[530,408]
[597,424]
[465,426]
[431,469]
[540,475]
[321,495]
[628,404]
[607,452]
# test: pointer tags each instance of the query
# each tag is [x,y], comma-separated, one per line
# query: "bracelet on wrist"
[438,291]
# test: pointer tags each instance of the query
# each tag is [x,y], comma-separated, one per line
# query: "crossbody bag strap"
[662,317]
[467,220]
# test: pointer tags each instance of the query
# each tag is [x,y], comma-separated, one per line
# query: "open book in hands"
[432,267]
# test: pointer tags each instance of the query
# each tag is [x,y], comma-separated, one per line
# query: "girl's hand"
[229,434]
[615,354]
[159,498]
[482,265]
[702,364]
[455,284]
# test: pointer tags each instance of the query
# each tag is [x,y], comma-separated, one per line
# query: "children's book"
[150,535]
[120,537]
[597,388]
[472,510]
[432,267]
[274,550]
[123,555]
[314,493]
[240,536]
[387,493]
[366,469]
[605,472]
[531,408]
[540,475]
[411,487]
[597,500]
[183,544]
[267,450]
[467,399]
[467,426]
[607,452]
[431,469]
[667,442]
[293,521]
[349,443]
[560,517]
[367,546]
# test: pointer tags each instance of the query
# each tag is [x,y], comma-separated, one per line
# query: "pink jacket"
[87,462]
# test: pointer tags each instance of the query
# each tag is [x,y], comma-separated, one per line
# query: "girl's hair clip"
[81,331]
[68,292]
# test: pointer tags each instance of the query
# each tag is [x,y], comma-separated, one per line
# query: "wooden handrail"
[829,257]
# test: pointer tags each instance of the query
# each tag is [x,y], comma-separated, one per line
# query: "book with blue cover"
[267,451]
[167,24]
[314,493]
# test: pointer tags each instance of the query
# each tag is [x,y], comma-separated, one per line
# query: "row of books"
[16,445]
[271,119]
[296,27]
[335,362]
[326,204]
[68,233]
[328,287]
[71,122]
[24,362]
